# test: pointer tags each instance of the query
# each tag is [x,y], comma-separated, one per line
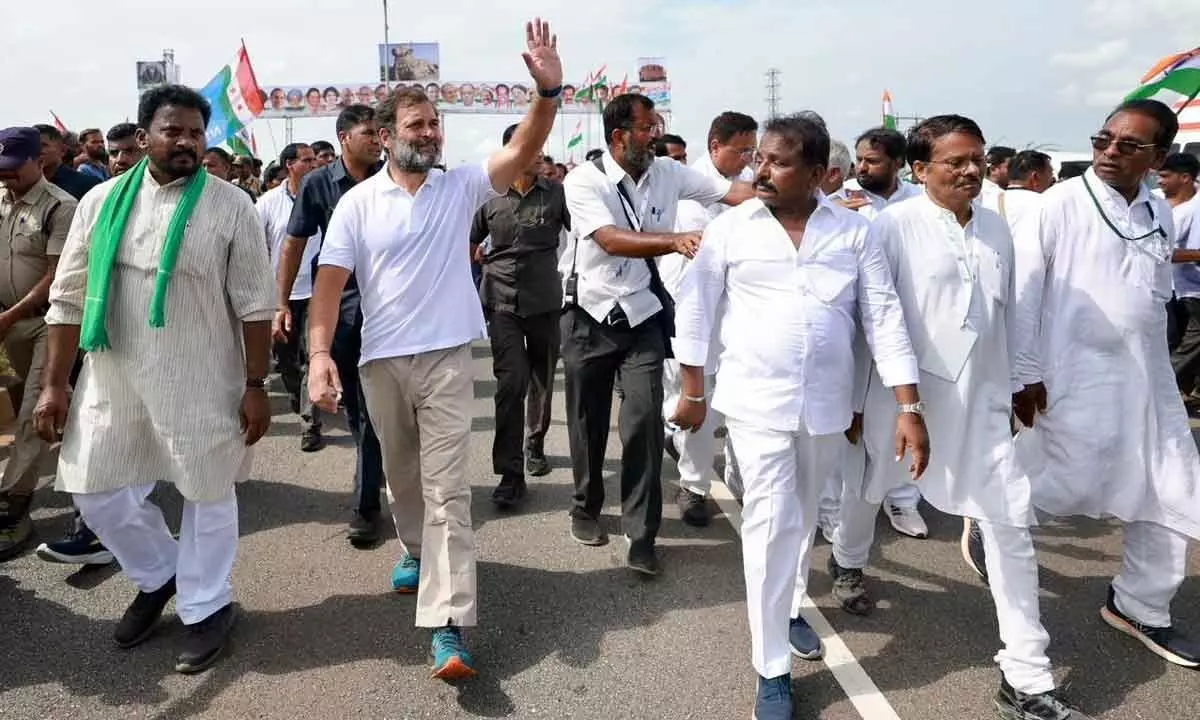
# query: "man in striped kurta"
[179,396]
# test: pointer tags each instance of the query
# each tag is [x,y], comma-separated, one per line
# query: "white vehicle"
[1188,139]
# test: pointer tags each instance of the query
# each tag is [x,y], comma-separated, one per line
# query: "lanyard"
[1162,252]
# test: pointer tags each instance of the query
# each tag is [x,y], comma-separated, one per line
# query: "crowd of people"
[911,317]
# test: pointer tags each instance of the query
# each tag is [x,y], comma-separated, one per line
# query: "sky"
[1030,72]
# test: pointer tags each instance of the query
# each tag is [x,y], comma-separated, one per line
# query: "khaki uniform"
[32,231]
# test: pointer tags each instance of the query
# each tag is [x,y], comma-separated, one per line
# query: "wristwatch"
[917,408]
[550,93]
[256,383]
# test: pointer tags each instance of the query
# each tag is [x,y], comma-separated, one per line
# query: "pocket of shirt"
[831,280]
[29,243]
[993,274]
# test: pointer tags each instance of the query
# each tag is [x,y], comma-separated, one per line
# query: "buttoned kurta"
[164,403]
[955,284]
[1114,440]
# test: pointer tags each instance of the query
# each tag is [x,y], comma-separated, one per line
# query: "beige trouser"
[420,406]
[26,348]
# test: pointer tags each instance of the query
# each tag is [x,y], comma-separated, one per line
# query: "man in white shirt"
[841,169]
[732,138]
[952,262]
[1177,179]
[1108,434]
[618,316]
[792,261]
[403,233]
[1030,173]
[879,159]
[997,176]
[274,210]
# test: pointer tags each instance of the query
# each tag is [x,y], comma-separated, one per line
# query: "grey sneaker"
[850,589]
[1015,705]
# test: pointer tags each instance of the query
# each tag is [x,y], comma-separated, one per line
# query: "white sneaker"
[907,520]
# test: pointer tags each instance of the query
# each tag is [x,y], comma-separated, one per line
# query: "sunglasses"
[1100,143]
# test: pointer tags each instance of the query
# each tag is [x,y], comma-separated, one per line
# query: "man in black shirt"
[522,300]
[319,194]
[58,172]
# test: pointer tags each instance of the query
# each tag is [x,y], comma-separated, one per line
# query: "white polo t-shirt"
[411,256]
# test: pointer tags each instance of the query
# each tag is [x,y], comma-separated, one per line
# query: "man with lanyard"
[732,138]
[319,194]
[522,300]
[275,211]
[34,218]
[617,316]
[1107,433]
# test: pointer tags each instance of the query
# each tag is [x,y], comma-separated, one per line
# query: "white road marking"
[858,686]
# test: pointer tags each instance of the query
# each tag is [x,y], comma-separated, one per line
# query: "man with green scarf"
[166,285]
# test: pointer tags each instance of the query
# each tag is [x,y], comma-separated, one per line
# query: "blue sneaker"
[406,576]
[774,701]
[804,641]
[81,547]
[451,661]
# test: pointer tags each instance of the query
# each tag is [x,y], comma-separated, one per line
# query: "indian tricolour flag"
[889,115]
[235,98]
[576,138]
[1175,80]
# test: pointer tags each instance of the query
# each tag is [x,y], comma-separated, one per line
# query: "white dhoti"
[782,474]
[201,561]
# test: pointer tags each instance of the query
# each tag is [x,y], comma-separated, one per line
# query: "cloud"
[1096,56]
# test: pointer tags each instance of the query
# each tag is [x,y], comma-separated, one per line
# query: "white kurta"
[1114,441]
[163,403]
[955,286]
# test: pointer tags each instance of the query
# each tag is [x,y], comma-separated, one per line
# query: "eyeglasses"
[1101,143]
[649,128]
[961,164]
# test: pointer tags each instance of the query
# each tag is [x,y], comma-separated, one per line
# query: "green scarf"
[106,238]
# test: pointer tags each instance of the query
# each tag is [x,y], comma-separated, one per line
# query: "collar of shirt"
[1114,199]
[338,172]
[961,238]
[149,181]
[756,209]
[539,183]
[31,197]
[385,185]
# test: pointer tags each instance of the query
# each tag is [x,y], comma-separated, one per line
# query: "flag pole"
[387,76]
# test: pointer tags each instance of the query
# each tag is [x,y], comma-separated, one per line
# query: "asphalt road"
[565,631]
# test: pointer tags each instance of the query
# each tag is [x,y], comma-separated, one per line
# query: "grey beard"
[639,161]
[408,158]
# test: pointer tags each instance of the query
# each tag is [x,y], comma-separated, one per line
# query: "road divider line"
[864,694]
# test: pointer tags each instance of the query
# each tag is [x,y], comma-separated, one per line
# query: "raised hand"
[545,67]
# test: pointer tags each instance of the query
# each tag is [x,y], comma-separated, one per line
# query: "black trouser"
[1185,360]
[524,355]
[593,354]
[347,346]
[291,359]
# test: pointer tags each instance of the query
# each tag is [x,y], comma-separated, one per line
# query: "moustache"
[764,185]
[185,153]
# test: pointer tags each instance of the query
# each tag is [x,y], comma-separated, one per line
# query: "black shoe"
[142,616]
[1165,642]
[587,531]
[1014,705]
[693,508]
[850,589]
[509,492]
[642,558]
[364,529]
[670,446]
[312,441]
[536,464]
[16,529]
[971,545]
[206,641]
